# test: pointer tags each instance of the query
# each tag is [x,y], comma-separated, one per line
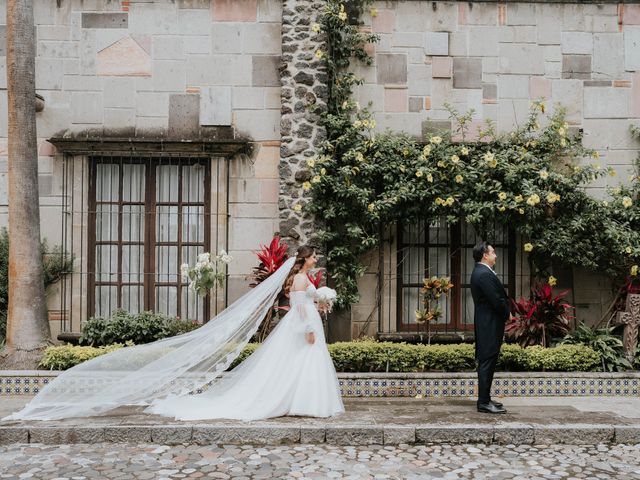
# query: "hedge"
[371,356]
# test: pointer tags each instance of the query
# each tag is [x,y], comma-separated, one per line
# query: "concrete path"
[571,420]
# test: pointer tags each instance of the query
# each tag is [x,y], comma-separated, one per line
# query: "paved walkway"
[127,461]
[590,420]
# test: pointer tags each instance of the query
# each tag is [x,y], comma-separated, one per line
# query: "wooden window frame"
[150,205]
[456,325]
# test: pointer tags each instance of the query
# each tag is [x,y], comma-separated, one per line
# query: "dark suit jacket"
[491,311]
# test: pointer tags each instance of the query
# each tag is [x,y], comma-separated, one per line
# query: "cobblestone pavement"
[127,461]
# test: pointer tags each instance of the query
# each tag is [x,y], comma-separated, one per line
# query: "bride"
[291,373]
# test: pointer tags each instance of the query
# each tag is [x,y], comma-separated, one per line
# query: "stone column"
[303,81]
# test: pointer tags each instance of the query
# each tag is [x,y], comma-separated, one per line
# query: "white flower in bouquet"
[206,273]
[325,296]
[225,257]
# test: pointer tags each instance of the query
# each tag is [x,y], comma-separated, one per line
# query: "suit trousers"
[486,369]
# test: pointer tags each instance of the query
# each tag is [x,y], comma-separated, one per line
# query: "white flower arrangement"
[325,297]
[207,272]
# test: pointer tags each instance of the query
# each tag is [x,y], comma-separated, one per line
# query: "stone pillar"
[303,81]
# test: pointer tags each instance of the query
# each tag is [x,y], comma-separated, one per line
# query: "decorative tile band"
[426,385]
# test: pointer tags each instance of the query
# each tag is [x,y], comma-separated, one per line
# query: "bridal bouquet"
[207,272]
[325,297]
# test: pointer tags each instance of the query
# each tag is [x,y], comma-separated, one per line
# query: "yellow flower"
[464,151]
[627,202]
[418,396]
[405,152]
[357,124]
[521,211]
[552,281]
[596,154]
[563,142]
[439,201]
[306,185]
[365,123]
[319,54]
[360,157]
[528,247]
[316,179]
[455,159]
[426,150]
[372,124]
[634,270]
[441,164]
[533,200]
[315,27]
[459,179]
[419,173]
[518,198]
[297,207]
[502,196]
[502,208]
[628,250]
[450,201]
[429,178]
[323,171]
[436,140]
[374,12]
[561,131]
[543,174]
[371,207]
[553,197]
[311,162]
[490,159]
[612,172]
[342,16]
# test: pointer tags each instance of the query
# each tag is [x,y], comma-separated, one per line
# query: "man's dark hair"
[479,250]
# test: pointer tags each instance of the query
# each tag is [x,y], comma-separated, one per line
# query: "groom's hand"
[311,337]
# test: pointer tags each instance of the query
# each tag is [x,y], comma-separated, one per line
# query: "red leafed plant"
[316,279]
[541,317]
[271,259]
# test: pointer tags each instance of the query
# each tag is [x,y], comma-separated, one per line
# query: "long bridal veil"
[140,374]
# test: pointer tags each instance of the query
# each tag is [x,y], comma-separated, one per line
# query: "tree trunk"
[27,324]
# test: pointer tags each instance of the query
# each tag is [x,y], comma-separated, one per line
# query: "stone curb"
[286,434]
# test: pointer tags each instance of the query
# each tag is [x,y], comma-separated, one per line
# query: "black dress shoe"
[490,408]
[497,404]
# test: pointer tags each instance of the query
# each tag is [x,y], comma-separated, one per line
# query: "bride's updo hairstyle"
[303,253]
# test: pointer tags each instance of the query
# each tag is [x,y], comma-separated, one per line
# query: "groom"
[491,313]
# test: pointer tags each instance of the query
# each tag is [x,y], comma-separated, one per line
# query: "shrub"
[541,317]
[55,264]
[603,341]
[138,328]
[66,356]
[371,356]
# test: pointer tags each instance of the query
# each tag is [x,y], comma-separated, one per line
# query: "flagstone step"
[535,420]
[276,434]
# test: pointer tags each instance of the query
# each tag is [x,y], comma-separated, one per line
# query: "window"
[147,216]
[433,248]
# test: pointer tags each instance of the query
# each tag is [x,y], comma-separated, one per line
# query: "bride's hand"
[311,337]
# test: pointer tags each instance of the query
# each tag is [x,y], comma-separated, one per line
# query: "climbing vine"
[533,179]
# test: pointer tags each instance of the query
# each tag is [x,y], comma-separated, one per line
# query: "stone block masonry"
[303,86]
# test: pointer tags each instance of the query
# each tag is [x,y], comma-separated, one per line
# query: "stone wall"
[304,95]
[158,69]
[168,68]
[496,58]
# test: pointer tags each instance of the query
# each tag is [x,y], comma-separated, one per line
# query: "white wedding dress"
[286,375]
